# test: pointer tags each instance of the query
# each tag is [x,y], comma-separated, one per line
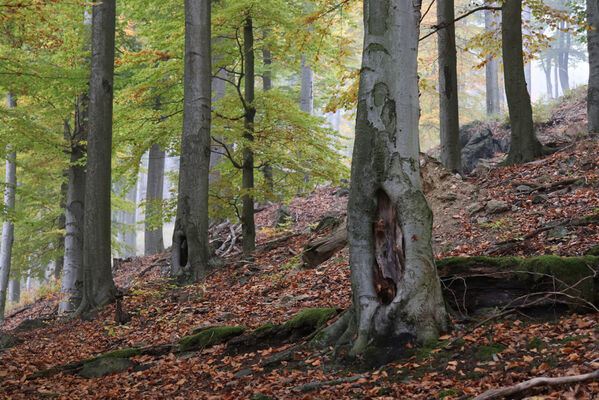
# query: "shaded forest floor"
[486,214]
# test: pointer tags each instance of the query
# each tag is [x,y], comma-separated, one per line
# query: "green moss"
[123,353]
[261,397]
[486,352]
[448,392]
[536,343]
[312,318]
[594,251]
[209,337]
[264,330]
[384,391]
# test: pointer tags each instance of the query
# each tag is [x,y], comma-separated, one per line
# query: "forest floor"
[479,215]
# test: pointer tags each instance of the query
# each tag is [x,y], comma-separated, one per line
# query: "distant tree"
[524,145]
[396,291]
[8,228]
[593,48]
[153,241]
[98,285]
[191,256]
[449,121]
[492,69]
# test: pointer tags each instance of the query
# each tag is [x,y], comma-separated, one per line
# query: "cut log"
[318,251]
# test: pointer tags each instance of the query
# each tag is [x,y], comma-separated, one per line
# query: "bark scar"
[389,250]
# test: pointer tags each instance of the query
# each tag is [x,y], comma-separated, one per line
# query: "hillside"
[544,207]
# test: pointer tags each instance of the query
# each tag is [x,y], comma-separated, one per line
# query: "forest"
[315,199]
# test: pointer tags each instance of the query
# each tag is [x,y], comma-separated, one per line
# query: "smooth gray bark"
[98,285]
[593,49]
[191,256]
[526,16]
[216,156]
[128,224]
[72,284]
[396,291]
[524,145]
[8,229]
[266,86]
[248,226]
[14,290]
[564,43]
[546,64]
[449,121]
[153,241]
[492,70]
[307,89]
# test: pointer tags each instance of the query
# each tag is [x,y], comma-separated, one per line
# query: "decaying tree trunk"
[396,292]
[318,251]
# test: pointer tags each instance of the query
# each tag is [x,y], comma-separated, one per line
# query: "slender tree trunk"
[191,255]
[15,290]
[62,221]
[248,226]
[307,90]
[266,86]
[8,229]
[72,283]
[593,48]
[524,145]
[526,15]
[491,71]
[396,291]
[547,69]
[555,78]
[98,286]
[449,121]
[128,221]
[218,92]
[563,56]
[153,242]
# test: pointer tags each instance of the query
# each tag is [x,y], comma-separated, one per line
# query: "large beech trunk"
[8,229]
[593,48]
[449,121]
[524,145]
[396,292]
[98,285]
[191,255]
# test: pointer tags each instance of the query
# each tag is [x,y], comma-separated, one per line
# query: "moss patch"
[310,319]
[536,343]
[209,337]
[448,392]
[486,352]
[264,330]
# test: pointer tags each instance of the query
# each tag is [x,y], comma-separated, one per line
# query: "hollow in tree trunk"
[396,291]
[524,145]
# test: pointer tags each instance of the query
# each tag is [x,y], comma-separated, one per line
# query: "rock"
[30,325]
[482,220]
[523,189]
[105,366]
[242,373]
[497,207]
[539,198]
[283,217]
[289,301]
[227,316]
[478,142]
[558,232]
[448,197]
[474,208]
[6,341]
[342,192]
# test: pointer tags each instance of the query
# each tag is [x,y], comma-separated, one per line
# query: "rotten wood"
[318,251]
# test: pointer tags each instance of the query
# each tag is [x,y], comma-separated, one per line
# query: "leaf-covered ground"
[273,288]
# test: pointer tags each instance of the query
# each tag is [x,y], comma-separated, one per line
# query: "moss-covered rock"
[104,366]
[310,319]
[6,341]
[209,337]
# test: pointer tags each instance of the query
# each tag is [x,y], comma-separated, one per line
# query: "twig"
[540,381]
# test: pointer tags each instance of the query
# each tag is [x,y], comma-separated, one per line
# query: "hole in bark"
[180,246]
[388,249]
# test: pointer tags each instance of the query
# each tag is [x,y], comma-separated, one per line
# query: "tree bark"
[248,226]
[396,291]
[491,70]
[266,86]
[526,16]
[564,41]
[307,89]
[15,290]
[153,241]
[8,228]
[218,92]
[98,286]
[449,121]
[128,221]
[524,145]
[593,49]
[546,63]
[191,256]
[72,284]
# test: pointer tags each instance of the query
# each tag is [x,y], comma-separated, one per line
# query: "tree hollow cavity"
[388,249]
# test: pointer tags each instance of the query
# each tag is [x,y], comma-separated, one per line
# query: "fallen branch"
[307,387]
[542,188]
[273,244]
[541,381]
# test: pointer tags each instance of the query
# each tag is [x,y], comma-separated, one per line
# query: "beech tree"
[98,285]
[8,228]
[491,69]
[153,241]
[191,255]
[396,291]
[593,48]
[449,121]
[524,145]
